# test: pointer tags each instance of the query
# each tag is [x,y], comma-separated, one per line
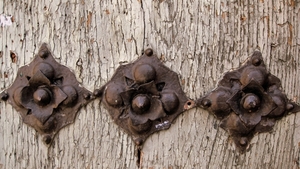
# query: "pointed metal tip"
[44,51]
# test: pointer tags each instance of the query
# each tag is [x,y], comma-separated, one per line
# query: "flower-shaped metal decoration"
[144,97]
[247,101]
[46,94]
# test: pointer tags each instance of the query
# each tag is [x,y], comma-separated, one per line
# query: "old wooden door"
[199,40]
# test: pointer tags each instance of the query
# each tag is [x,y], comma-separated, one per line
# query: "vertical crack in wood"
[138,155]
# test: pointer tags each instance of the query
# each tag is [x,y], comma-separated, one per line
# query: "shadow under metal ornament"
[144,97]
[248,100]
[46,94]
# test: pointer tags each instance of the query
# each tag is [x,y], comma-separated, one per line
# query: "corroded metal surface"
[46,94]
[248,100]
[144,97]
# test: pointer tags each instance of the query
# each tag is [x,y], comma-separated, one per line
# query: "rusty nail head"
[149,52]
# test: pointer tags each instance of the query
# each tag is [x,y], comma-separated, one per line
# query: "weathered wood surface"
[200,40]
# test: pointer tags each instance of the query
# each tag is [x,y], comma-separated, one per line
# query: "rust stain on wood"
[290,38]
[162,57]
[81,21]
[224,14]
[13,57]
[5,75]
[183,81]
[243,18]
[268,24]
[107,11]
[89,19]
[292,3]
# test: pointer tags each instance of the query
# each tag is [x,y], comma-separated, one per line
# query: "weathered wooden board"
[200,40]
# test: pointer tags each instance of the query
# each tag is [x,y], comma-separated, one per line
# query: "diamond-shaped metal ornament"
[144,97]
[46,94]
[248,100]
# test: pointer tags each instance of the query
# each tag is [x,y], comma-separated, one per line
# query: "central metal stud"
[42,96]
[140,104]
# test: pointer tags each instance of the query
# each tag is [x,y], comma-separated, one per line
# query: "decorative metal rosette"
[46,94]
[144,97]
[247,101]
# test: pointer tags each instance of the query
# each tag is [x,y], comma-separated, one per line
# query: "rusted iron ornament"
[46,94]
[247,101]
[144,97]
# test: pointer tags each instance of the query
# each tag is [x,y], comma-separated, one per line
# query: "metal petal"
[252,87]
[280,102]
[267,105]
[24,97]
[234,102]
[229,79]
[39,79]
[251,118]
[58,96]
[42,114]
[127,96]
[149,88]
[273,80]
[234,125]
[265,125]
[155,112]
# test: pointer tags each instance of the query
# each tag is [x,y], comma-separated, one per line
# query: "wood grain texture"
[200,40]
